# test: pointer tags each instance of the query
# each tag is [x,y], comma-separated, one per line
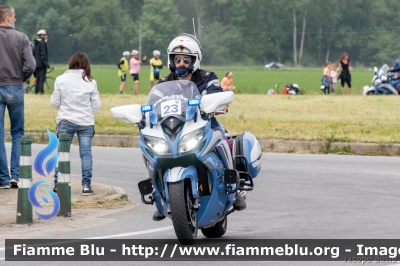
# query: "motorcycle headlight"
[159,146]
[190,141]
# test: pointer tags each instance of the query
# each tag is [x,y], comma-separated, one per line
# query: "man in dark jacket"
[42,63]
[16,66]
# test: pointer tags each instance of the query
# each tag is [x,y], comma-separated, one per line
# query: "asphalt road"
[296,196]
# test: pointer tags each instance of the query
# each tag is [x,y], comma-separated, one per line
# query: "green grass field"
[306,117]
[310,117]
[248,80]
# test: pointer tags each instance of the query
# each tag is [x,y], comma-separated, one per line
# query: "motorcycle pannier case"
[247,154]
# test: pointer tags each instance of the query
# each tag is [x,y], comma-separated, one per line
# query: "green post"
[64,176]
[24,207]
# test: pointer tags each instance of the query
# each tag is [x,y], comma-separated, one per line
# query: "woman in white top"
[76,97]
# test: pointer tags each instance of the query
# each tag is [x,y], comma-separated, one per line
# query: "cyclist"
[123,69]
[155,66]
[135,69]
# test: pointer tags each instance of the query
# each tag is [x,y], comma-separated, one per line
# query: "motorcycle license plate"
[171,107]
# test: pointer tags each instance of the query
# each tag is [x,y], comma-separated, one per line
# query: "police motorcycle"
[193,176]
[386,82]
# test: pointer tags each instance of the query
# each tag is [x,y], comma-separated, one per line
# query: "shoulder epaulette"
[205,73]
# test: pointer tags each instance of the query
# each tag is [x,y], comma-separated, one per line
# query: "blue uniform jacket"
[207,82]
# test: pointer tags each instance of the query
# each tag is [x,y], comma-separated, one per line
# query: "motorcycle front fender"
[177,174]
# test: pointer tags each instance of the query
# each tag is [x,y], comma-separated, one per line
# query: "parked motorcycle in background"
[274,65]
[384,82]
[193,176]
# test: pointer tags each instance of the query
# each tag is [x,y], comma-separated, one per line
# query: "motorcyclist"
[184,57]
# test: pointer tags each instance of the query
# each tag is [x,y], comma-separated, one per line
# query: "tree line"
[246,32]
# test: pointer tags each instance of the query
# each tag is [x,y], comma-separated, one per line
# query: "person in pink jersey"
[135,69]
[334,75]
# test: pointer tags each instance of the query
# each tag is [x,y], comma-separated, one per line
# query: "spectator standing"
[16,66]
[123,69]
[326,79]
[227,82]
[76,98]
[345,76]
[155,68]
[42,60]
[135,69]
[334,76]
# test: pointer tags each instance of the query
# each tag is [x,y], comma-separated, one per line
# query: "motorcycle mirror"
[216,101]
[375,70]
[128,113]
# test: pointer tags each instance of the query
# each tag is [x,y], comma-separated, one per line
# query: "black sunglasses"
[186,60]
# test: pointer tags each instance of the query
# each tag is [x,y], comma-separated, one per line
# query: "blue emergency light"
[146,108]
[194,102]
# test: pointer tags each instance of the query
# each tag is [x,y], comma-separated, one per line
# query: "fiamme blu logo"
[45,169]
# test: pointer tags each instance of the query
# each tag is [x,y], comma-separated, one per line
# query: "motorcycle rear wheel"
[184,217]
[217,230]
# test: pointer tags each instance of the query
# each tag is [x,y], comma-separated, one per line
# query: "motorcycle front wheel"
[218,230]
[184,217]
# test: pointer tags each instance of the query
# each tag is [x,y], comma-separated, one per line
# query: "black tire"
[184,217]
[217,230]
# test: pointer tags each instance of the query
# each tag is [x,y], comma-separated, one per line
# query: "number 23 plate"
[171,108]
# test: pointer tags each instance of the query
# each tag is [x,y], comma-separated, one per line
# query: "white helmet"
[295,86]
[185,44]
[126,53]
[134,52]
[42,32]
[156,52]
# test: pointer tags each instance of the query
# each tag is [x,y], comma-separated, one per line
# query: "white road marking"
[134,233]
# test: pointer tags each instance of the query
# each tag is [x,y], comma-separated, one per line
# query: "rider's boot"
[242,193]
[158,216]
[240,203]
